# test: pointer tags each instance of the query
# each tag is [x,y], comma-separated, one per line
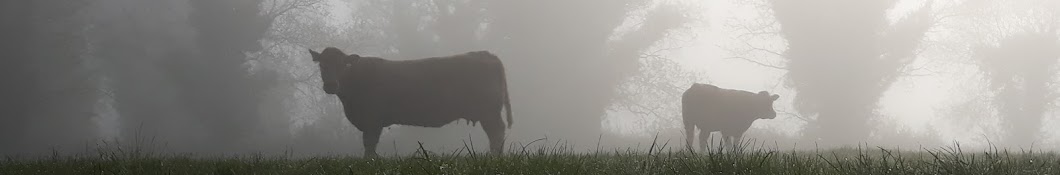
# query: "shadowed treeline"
[223,76]
[49,93]
[233,76]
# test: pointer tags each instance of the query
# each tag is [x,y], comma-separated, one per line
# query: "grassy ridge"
[559,160]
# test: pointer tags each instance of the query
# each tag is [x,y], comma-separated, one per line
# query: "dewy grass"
[559,158]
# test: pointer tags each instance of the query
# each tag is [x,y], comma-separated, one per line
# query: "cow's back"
[716,108]
[435,91]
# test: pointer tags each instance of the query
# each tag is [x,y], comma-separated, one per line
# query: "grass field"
[560,160]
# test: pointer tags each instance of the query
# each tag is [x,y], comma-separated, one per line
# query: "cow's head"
[764,105]
[332,65]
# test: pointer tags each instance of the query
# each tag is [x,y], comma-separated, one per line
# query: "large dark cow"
[430,92]
[729,111]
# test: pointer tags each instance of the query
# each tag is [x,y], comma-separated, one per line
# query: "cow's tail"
[507,101]
[507,98]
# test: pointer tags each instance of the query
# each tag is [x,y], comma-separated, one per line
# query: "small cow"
[728,111]
[430,92]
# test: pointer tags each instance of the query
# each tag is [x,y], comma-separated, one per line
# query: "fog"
[234,77]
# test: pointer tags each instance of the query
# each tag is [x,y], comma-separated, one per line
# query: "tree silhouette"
[841,56]
[1021,71]
[50,90]
[1015,47]
[16,20]
[178,71]
[133,39]
[215,85]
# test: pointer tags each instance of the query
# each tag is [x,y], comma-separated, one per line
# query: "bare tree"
[314,120]
[179,71]
[841,56]
[131,39]
[213,82]
[1021,73]
[1014,47]
[654,94]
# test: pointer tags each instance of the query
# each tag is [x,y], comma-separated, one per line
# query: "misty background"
[234,76]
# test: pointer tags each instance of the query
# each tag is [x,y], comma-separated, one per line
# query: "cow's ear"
[772,97]
[315,54]
[350,59]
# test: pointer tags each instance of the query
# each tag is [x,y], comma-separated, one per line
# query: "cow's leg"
[690,135]
[495,132]
[704,139]
[370,138]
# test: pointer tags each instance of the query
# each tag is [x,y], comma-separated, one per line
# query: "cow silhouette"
[429,92]
[728,111]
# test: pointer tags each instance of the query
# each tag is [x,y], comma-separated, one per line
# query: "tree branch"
[278,10]
[797,116]
[758,63]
